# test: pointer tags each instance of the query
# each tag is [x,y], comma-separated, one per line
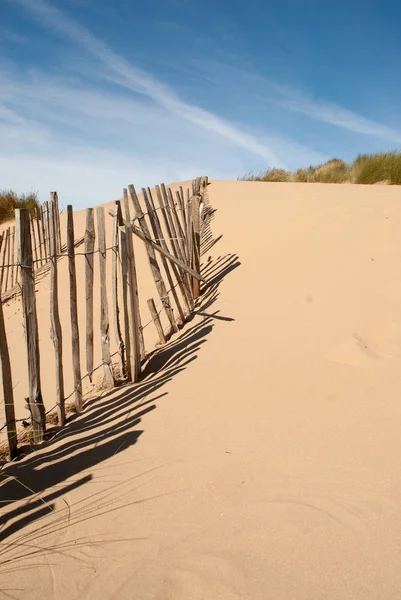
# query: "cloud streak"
[141,82]
[332,113]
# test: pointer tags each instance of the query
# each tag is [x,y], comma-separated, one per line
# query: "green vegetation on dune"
[384,167]
[10,200]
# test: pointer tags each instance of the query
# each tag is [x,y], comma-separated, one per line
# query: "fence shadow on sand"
[108,425]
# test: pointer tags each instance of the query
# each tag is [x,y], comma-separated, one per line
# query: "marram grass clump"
[384,167]
[10,200]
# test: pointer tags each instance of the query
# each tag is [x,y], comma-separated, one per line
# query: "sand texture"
[260,456]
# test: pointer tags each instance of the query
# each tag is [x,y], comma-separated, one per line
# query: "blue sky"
[96,94]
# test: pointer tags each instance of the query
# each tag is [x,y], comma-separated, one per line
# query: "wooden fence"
[39,222]
[170,226]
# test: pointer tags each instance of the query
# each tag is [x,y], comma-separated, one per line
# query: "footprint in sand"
[382,342]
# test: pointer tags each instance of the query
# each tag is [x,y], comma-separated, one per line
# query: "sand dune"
[259,458]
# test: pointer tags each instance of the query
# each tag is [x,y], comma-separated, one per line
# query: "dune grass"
[384,167]
[10,200]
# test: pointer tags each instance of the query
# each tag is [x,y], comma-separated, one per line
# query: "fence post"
[31,323]
[12,257]
[179,274]
[160,285]
[196,244]
[74,310]
[122,238]
[7,388]
[104,309]
[56,223]
[158,235]
[131,308]
[89,257]
[117,222]
[4,258]
[130,244]
[47,231]
[56,333]
[39,231]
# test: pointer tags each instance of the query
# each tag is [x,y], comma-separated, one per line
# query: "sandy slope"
[262,460]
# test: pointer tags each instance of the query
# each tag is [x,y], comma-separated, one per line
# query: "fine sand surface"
[260,457]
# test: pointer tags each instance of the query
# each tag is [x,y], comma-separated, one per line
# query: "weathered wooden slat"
[7,387]
[47,232]
[158,234]
[76,364]
[43,226]
[118,221]
[152,244]
[154,266]
[39,248]
[57,229]
[2,258]
[55,330]
[196,242]
[180,275]
[8,259]
[104,307]
[89,257]
[3,262]
[30,323]
[130,251]
[131,325]
[177,227]
[156,320]
[13,259]
[34,243]
[122,243]
[181,210]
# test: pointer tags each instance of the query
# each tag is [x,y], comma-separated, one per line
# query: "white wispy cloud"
[10,36]
[141,82]
[257,91]
[332,113]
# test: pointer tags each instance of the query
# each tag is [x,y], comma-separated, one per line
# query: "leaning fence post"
[89,249]
[196,243]
[157,276]
[8,257]
[31,323]
[54,315]
[158,235]
[122,242]
[74,310]
[104,309]
[7,384]
[130,244]
[131,308]
[4,258]
[117,221]
[12,257]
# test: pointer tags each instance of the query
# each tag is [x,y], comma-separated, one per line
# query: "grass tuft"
[384,167]
[10,200]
